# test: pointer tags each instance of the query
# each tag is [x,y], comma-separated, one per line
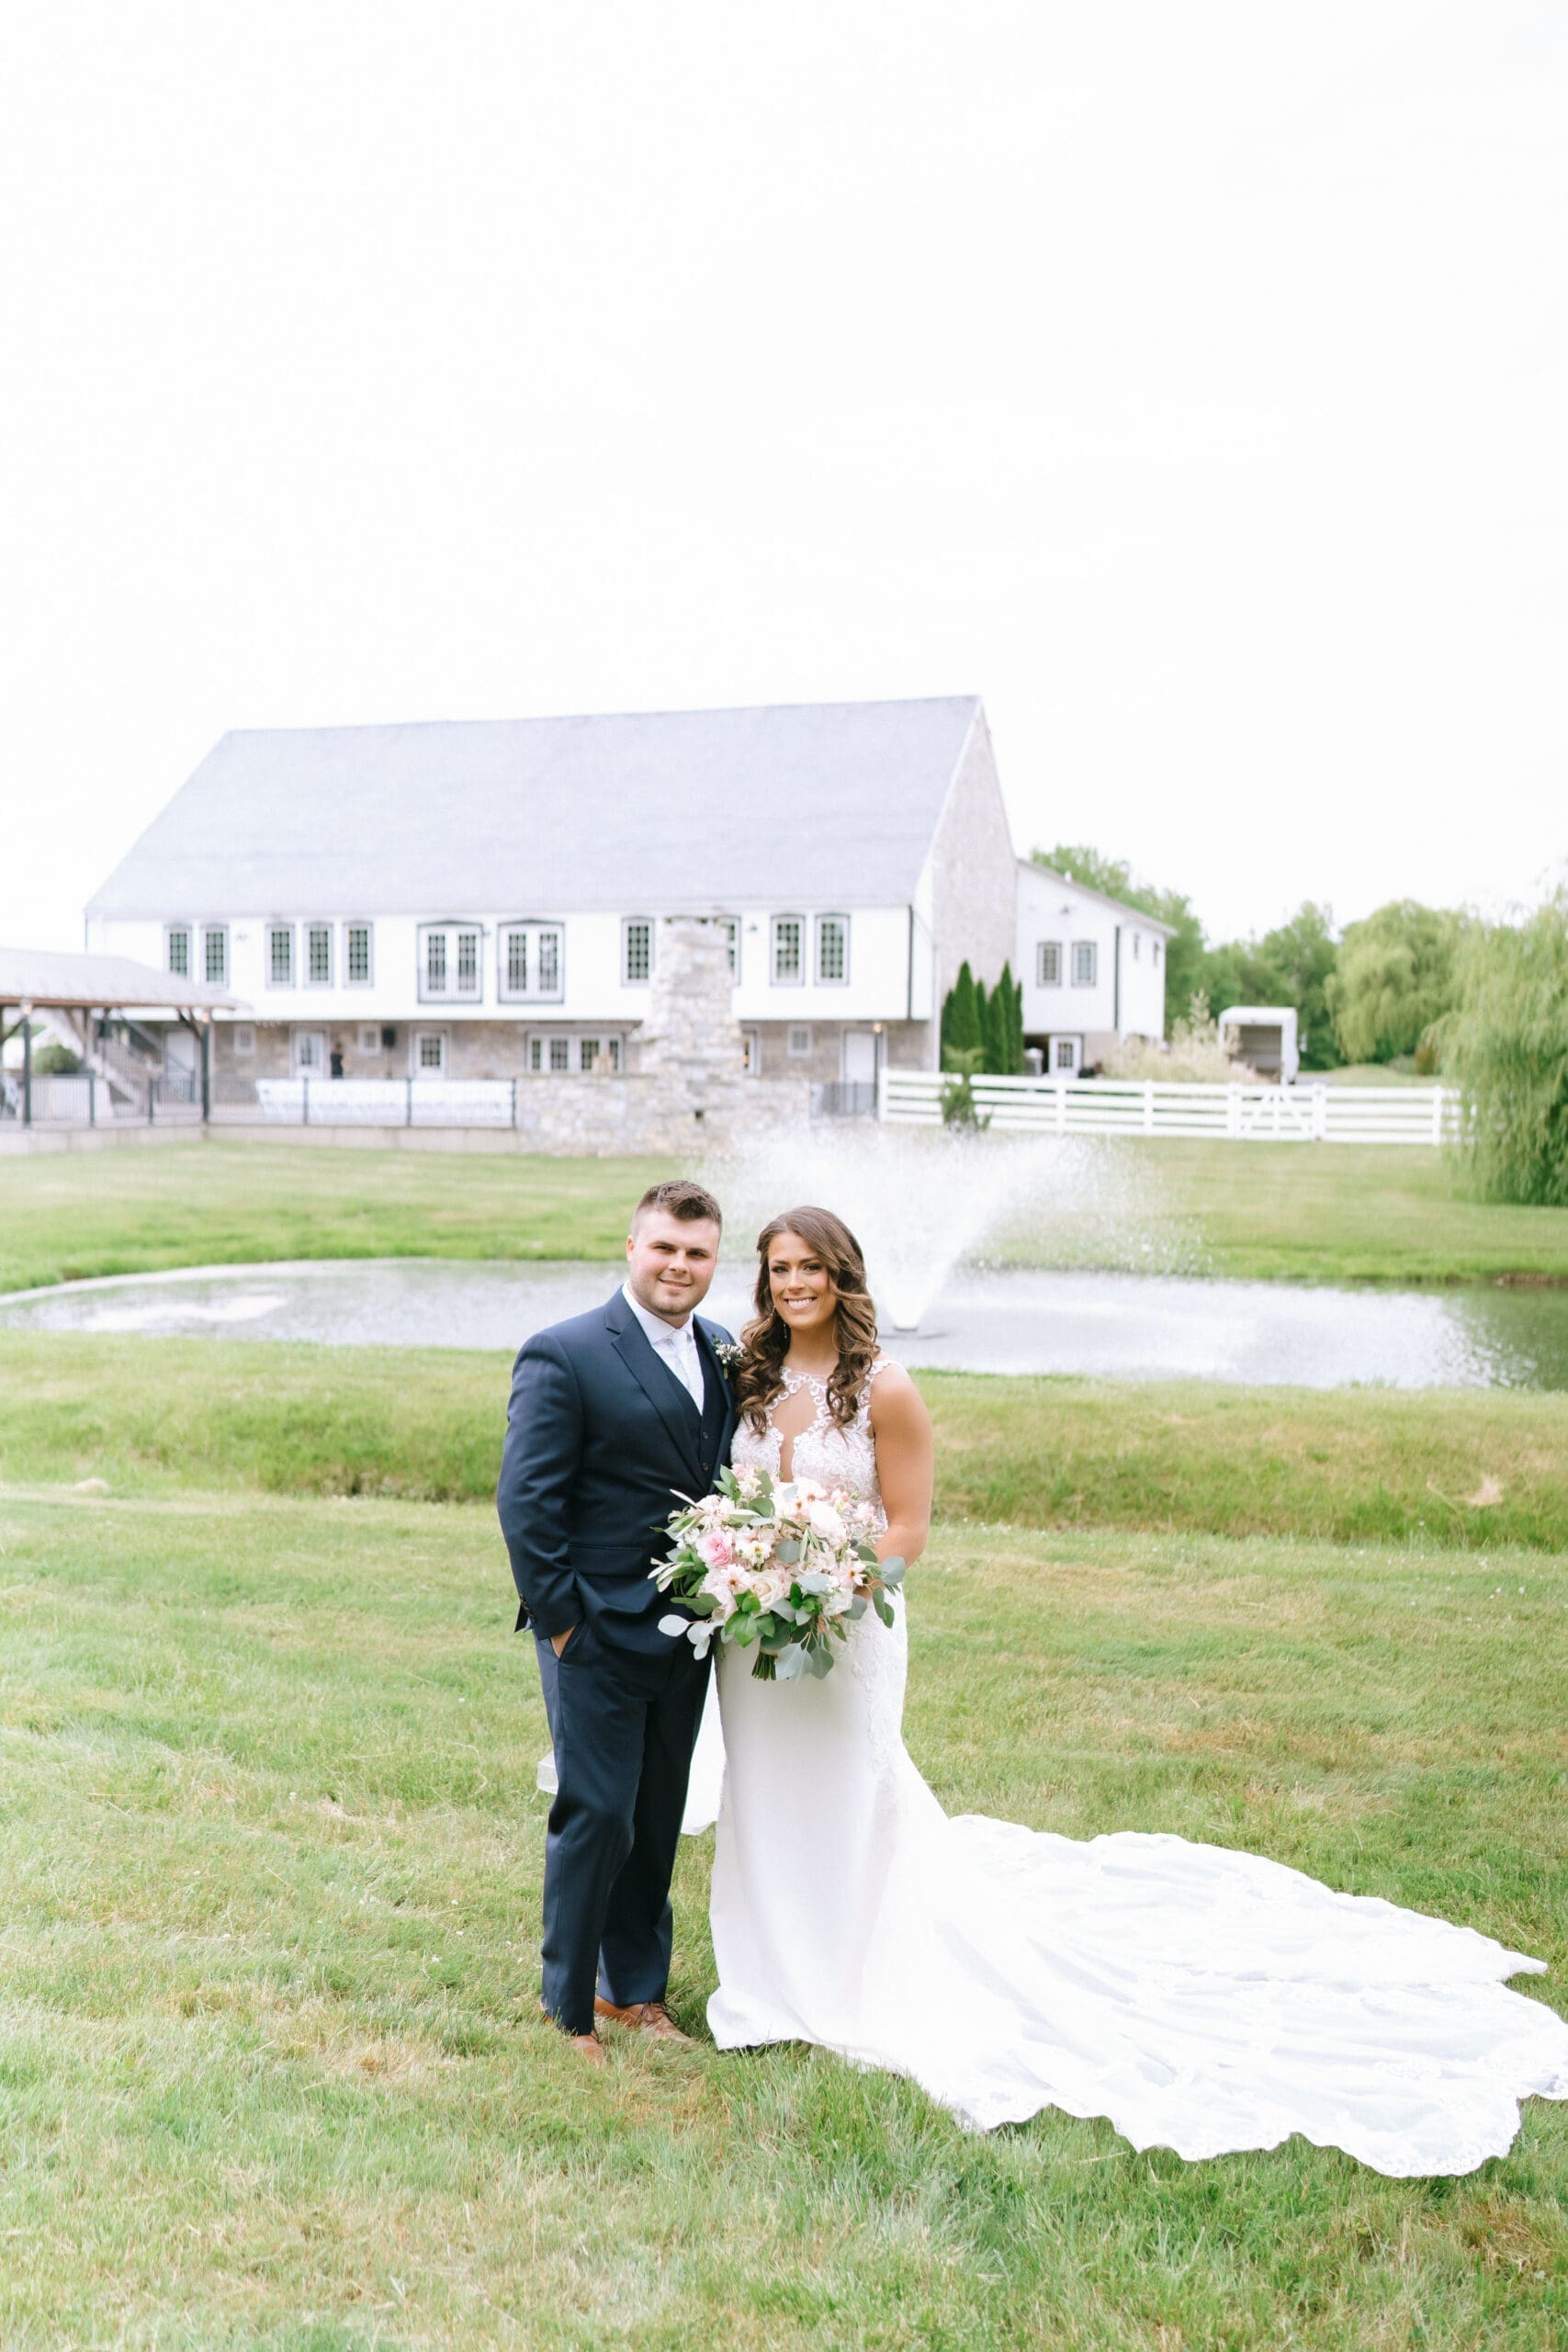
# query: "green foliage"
[1395,977]
[1505,1046]
[982,1030]
[961,1031]
[1007,1014]
[959,1108]
[1292,964]
[1289,965]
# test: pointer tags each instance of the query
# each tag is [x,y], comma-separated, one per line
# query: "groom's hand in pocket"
[559,1641]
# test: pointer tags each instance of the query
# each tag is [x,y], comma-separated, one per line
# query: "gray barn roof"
[673,808]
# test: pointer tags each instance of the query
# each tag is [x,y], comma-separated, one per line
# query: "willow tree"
[1505,1046]
[1397,974]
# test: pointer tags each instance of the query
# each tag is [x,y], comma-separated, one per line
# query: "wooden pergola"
[76,988]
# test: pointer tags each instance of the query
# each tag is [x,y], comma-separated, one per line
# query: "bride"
[1202,1999]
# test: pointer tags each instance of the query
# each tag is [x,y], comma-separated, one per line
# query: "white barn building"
[480,900]
[1092,969]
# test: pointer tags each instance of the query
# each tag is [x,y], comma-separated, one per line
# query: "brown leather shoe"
[644,2016]
[587,2045]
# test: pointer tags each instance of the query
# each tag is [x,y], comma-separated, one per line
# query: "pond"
[1108,1325]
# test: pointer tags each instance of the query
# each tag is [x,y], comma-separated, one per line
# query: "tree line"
[1374,992]
[1483,1004]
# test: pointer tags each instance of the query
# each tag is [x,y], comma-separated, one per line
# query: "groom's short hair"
[681,1198]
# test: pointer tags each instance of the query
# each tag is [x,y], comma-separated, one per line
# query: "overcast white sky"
[1190,380]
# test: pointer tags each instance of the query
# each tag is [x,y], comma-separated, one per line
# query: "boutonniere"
[731,1355]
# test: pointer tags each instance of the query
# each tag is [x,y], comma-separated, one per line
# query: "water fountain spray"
[923,1201]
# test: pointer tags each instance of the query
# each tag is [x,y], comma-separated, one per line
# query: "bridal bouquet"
[783,1566]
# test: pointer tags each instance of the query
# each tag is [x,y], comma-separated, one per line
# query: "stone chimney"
[690,1046]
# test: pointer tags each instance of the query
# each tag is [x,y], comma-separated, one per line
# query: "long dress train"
[1202,1999]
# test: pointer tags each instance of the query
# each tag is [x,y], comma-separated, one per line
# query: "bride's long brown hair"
[766,1339]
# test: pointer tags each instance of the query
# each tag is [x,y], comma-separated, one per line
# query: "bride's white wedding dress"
[1202,1999]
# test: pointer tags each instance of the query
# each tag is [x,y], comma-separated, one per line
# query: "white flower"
[826,1521]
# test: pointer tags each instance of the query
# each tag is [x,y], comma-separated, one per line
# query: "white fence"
[381,1102]
[1114,1106]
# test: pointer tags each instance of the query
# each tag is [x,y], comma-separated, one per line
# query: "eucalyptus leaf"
[893,1571]
[881,1606]
[791,1664]
[819,1661]
[856,1608]
[788,1552]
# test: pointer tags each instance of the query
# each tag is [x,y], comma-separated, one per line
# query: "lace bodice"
[836,1455]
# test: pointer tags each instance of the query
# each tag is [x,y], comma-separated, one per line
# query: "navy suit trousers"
[623,1722]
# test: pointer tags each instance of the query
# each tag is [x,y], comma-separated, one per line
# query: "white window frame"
[418,1066]
[243,1034]
[629,924]
[610,1047]
[312,933]
[1067,1057]
[452,935]
[1155,946]
[297,1062]
[730,926]
[351,979]
[798,1040]
[1085,950]
[1137,947]
[1048,964]
[825,979]
[187,932]
[532,936]
[218,933]
[777,928]
[284,931]
[369,1040]
[751,1052]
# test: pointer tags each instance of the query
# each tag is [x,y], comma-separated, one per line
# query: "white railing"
[381,1102]
[1114,1106]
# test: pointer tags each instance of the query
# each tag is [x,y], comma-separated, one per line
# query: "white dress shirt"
[675,1345]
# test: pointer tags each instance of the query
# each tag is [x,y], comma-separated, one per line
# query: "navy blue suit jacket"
[602,1440]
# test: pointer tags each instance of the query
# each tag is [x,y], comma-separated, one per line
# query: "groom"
[613,1416]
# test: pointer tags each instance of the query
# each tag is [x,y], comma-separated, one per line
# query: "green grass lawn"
[1465,1469]
[270,2070]
[1293,1212]
[128,1212]
[1345,1213]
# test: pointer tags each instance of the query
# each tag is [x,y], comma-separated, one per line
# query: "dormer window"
[318,954]
[530,963]
[448,961]
[833,951]
[789,950]
[636,952]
